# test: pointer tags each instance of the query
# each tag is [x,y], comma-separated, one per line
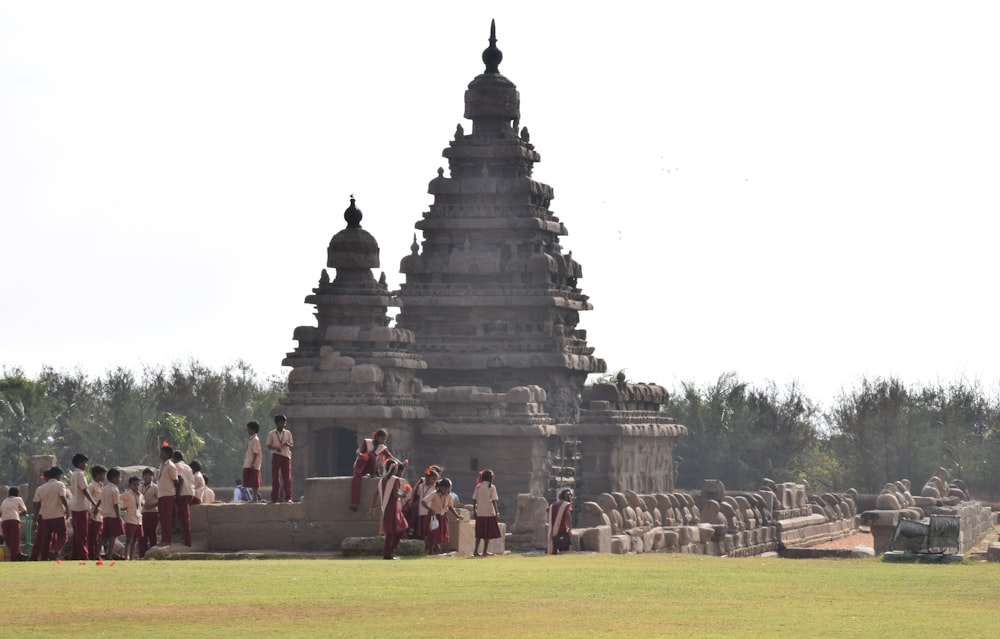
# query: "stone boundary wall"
[710,521]
[320,522]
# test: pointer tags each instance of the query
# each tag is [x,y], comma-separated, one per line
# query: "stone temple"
[485,366]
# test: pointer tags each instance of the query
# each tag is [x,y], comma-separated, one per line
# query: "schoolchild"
[367,462]
[80,505]
[241,494]
[280,443]
[36,533]
[390,489]
[198,482]
[167,486]
[131,503]
[150,512]
[251,461]
[487,512]
[98,476]
[52,511]
[424,487]
[185,495]
[111,510]
[208,495]
[439,503]
[11,510]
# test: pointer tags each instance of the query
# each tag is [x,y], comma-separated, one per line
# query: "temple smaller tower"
[352,373]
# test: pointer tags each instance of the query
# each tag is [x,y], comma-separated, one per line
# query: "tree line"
[880,430]
[122,416]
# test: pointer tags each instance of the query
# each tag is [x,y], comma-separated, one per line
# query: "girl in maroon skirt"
[487,513]
[439,503]
[424,488]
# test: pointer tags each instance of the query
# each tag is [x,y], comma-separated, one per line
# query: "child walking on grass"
[11,511]
[487,513]
[390,490]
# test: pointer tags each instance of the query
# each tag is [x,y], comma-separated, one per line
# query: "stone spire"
[492,298]
[492,56]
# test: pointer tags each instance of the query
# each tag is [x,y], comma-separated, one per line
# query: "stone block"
[993,552]
[621,544]
[366,374]
[343,333]
[329,498]
[233,536]
[671,539]
[638,544]
[649,539]
[519,395]
[463,538]
[333,361]
[596,539]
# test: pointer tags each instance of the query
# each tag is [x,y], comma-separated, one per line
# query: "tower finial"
[492,55]
[353,215]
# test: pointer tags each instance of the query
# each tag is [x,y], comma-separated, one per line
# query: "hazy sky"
[788,190]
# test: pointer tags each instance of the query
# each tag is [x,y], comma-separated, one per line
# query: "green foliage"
[171,429]
[740,434]
[883,431]
[29,417]
[121,417]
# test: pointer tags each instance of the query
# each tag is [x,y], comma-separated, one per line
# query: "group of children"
[280,442]
[99,511]
[421,511]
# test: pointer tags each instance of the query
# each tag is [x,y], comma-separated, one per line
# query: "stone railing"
[710,522]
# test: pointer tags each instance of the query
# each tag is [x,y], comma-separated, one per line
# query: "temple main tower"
[492,297]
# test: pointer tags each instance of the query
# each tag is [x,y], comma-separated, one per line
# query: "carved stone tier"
[489,291]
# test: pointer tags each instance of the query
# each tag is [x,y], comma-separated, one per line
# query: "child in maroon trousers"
[10,515]
[366,462]
[388,493]
[150,512]
[96,488]
[52,511]
[112,513]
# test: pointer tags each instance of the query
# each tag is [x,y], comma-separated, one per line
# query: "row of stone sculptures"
[710,521]
[940,495]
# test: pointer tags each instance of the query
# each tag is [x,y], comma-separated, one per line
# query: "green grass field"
[582,595]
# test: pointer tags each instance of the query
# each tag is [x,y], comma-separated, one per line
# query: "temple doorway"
[334,452]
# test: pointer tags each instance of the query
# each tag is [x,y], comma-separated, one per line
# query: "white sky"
[789,190]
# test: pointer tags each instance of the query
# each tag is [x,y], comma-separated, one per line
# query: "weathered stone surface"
[596,539]
[591,515]
[373,547]
[621,544]
[993,552]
